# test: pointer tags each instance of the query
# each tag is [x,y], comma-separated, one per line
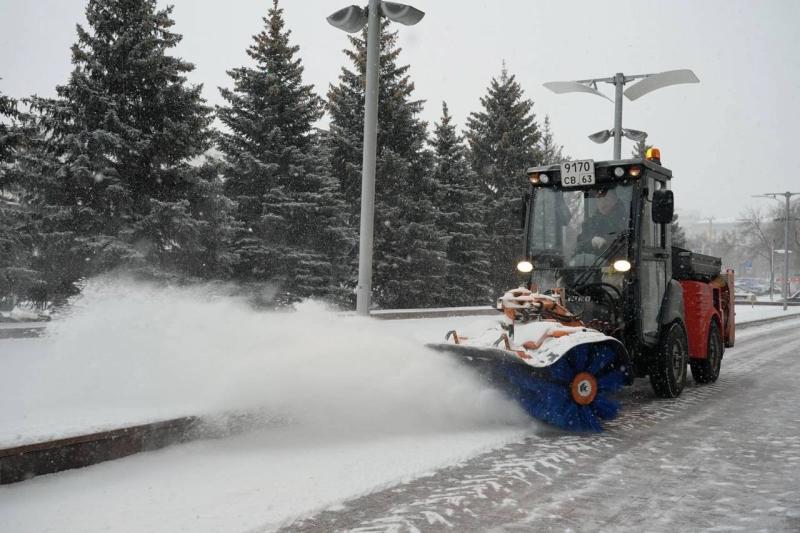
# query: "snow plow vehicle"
[606,298]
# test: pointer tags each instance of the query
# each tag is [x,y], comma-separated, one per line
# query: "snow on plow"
[559,370]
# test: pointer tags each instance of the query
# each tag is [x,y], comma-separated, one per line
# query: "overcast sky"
[731,136]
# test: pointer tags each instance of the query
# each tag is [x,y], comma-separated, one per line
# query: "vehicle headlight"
[622,265]
[525,266]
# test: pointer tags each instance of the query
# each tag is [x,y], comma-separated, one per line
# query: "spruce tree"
[678,233]
[118,179]
[399,128]
[640,149]
[409,250]
[290,213]
[548,152]
[503,138]
[17,277]
[460,215]
[9,136]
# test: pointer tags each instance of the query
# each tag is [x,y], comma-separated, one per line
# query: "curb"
[21,330]
[20,463]
[762,321]
[30,460]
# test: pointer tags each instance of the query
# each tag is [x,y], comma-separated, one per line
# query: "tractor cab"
[598,235]
[608,299]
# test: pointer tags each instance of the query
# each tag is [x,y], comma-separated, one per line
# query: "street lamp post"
[788,196]
[352,19]
[785,285]
[771,268]
[648,83]
[619,82]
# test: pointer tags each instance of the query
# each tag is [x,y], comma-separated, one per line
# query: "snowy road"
[723,457]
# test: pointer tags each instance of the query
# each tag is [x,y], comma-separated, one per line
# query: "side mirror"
[663,206]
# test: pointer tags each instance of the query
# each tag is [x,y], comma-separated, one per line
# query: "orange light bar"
[653,154]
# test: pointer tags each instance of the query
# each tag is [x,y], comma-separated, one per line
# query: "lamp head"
[635,135]
[601,136]
[401,13]
[350,19]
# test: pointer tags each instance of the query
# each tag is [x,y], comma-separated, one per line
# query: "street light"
[788,196]
[352,19]
[602,136]
[401,13]
[649,83]
[635,135]
[772,268]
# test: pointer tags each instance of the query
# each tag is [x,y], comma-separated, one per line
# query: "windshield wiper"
[612,248]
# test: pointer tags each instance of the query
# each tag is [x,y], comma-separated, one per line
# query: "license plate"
[577,173]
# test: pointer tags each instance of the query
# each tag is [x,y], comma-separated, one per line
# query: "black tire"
[707,370]
[670,365]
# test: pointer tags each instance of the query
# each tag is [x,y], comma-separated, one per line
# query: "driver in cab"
[610,218]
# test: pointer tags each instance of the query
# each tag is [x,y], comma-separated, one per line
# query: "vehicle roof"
[655,167]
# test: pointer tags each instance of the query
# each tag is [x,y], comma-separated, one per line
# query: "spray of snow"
[129,347]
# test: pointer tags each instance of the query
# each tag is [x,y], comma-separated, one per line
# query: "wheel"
[707,370]
[669,366]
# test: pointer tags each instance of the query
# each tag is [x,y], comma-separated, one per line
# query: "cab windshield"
[575,228]
[574,238]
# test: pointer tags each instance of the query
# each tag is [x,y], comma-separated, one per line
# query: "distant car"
[760,290]
[757,287]
[744,296]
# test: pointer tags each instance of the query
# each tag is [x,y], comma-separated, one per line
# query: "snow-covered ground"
[364,406]
[746,312]
[253,482]
[265,480]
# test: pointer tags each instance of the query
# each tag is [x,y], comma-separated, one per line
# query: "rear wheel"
[707,370]
[669,366]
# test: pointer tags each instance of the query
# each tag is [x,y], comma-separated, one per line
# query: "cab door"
[654,270]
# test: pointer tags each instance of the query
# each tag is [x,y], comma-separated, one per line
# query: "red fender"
[701,304]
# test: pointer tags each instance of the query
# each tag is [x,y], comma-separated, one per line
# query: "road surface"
[722,457]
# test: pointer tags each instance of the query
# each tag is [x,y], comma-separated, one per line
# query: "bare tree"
[757,231]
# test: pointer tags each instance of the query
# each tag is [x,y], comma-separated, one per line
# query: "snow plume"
[135,347]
